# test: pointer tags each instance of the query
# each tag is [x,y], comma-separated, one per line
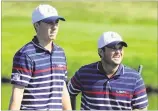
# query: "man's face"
[113,55]
[48,31]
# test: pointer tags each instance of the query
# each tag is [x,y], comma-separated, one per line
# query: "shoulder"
[131,72]
[88,67]
[59,51]
[58,48]
[25,50]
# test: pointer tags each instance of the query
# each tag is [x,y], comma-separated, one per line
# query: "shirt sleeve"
[74,85]
[66,72]
[140,99]
[21,69]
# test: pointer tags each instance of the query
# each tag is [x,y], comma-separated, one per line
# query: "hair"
[36,23]
[103,49]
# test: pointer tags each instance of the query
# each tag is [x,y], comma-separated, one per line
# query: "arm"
[21,74]
[143,109]
[74,85]
[140,99]
[16,98]
[66,99]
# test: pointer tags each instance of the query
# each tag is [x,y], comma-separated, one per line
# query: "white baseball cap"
[110,39]
[45,13]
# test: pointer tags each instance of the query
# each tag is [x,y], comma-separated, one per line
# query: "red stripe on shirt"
[143,90]
[48,69]
[75,82]
[110,93]
[22,69]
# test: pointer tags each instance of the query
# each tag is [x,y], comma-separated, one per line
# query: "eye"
[120,47]
[113,47]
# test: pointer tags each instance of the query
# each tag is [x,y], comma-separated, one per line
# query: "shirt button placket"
[107,90]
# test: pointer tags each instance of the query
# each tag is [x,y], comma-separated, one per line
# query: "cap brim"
[116,43]
[53,18]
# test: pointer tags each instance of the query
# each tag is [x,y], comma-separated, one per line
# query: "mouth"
[116,56]
[52,33]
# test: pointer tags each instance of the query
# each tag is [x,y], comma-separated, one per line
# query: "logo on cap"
[109,37]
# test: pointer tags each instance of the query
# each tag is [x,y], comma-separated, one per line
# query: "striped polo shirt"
[42,73]
[123,91]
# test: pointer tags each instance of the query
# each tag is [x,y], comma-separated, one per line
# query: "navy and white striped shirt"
[124,91]
[42,74]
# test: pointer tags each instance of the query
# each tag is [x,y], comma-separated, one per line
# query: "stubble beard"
[110,62]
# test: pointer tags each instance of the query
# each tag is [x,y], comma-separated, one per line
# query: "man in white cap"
[108,84]
[39,68]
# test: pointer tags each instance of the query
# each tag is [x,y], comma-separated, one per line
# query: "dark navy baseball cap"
[116,43]
[53,18]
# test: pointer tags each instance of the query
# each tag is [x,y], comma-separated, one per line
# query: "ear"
[36,25]
[100,53]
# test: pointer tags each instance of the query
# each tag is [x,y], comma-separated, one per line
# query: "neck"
[46,44]
[109,69]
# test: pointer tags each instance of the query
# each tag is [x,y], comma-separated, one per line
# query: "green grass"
[6,94]
[86,21]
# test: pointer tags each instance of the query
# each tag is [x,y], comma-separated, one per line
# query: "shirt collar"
[120,70]
[35,41]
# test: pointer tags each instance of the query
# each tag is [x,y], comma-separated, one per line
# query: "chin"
[52,37]
[117,62]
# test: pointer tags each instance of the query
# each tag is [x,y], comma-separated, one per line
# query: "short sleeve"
[140,99]
[21,69]
[66,72]
[74,85]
